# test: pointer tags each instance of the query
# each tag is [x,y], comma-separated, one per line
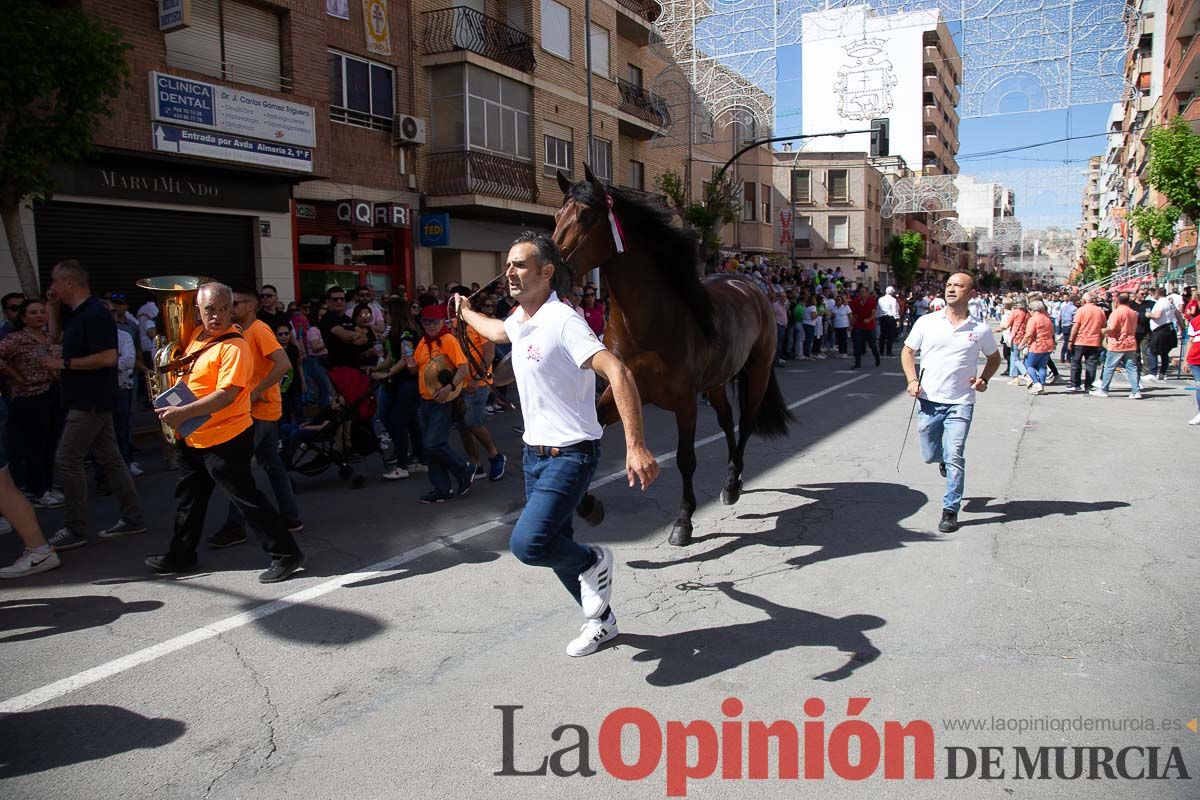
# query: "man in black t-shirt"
[342,339]
[88,382]
[1142,304]
[269,310]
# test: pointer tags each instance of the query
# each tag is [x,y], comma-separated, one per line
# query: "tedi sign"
[365,214]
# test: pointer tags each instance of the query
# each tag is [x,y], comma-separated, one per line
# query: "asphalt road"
[1068,598]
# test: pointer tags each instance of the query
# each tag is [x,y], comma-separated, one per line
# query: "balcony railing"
[462,28]
[477,172]
[646,9]
[643,104]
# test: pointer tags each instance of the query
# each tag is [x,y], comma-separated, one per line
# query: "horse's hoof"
[591,510]
[681,533]
[731,493]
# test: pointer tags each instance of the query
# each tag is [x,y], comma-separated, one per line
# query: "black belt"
[542,450]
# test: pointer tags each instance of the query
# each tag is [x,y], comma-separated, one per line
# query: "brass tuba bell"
[178,321]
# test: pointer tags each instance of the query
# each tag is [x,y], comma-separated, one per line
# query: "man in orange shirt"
[1085,343]
[219,450]
[269,364]
[475,396]
[435,413]
[1122,347]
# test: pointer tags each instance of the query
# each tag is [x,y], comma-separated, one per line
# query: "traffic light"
[879,137]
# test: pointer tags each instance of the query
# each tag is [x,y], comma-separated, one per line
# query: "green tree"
[1157,226]
[1101,256]
[65,67]
[1175,166]
[905,252]
[721,205]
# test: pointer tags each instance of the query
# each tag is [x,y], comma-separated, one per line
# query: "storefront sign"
[174,14]
[379,33]
[172,139]
[435,230]
[365,214]
[199,104]
[305,211]
[141,179]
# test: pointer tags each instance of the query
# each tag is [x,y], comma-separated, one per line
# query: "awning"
[1177,273]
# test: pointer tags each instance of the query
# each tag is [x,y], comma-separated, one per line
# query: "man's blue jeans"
[943,428]
[544,536]
[398,410]
[443,460]
[1016,364]
[1035,365]
[1129,361]
[266,453]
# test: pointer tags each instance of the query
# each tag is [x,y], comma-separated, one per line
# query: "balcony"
[643,104]
[449,30]
[646,9]
[475,172]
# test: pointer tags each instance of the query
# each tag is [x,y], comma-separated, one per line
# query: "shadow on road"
[51,616]
[1017,510]
[693,655]
[845,519]
[36,741]
[452,556]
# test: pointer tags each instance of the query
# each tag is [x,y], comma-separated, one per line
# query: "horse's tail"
[773,416]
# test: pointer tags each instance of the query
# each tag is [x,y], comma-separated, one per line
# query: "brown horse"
[679,335]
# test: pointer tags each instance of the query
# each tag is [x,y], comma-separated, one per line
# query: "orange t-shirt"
[477,342]
[424,353]
[1122,323]
[263,343]
[1039,334]
[1089,321]
[221,366]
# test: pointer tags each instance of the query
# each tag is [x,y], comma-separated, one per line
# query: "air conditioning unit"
[408,130]
[343,254]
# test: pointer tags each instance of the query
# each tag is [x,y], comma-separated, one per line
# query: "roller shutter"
[118,245]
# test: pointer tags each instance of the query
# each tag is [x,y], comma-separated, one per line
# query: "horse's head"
[582,230]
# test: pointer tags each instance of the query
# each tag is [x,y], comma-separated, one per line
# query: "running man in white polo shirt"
[949,341]
[555,358]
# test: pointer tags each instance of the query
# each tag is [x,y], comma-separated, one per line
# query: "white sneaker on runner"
[592,634]
[31,563]
[595,584]
[1098,393]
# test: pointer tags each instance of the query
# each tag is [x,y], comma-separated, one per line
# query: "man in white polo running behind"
[555,358]
[949,342]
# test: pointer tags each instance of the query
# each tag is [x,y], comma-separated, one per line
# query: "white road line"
[52,691]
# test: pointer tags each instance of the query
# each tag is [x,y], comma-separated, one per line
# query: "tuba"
[177,324]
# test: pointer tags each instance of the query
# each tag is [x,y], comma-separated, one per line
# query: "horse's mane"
[674,251]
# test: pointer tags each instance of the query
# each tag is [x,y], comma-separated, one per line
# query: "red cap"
[435,311]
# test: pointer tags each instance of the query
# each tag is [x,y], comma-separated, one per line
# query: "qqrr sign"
[365,214]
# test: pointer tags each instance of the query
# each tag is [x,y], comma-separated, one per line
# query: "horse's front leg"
[590,508]
[685,420]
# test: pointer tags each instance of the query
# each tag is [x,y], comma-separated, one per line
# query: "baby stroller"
[346,431]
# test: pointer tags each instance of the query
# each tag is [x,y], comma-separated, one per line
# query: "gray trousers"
[92,431]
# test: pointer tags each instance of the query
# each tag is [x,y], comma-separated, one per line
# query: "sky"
[1048,180]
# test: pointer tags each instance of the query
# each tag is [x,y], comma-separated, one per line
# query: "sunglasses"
[337,299]
[266,295]
[12,308]
[283,334]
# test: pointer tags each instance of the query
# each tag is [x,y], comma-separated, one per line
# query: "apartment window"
[764,196]
[599,51]
[602,159]
[803,232]
[232,40]
[749,201]
[839,233]
[707,125]
[556,29]
[745,128]
[637,175]
[801,186]
[360,92]
[839,186]
[557,148]
[635,75]
[480,110]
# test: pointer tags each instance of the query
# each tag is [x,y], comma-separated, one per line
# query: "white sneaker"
[1135,396]
[1193,421]
[592,634]
[1097,393]
[416,467]
[595,585]
[31,563]
[5,526]
[1035,388]
[57,495]
[48,500]
[1051,378]
[1150,378]
[396,474]
[135,469]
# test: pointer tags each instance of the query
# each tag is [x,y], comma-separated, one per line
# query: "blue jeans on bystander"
[1112,360]
[1035,365]
[444,461]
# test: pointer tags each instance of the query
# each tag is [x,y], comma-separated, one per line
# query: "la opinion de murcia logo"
[864,86]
